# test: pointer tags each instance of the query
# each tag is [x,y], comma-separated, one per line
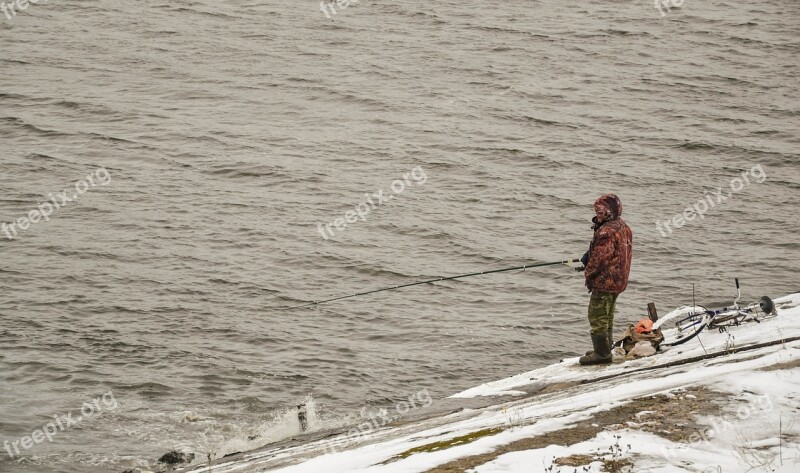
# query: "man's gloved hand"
[584,262]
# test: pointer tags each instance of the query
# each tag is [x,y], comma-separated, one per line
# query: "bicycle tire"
[767,306]
[680,341]
[679,312]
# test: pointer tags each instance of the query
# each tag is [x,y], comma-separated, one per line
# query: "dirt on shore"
[672,416]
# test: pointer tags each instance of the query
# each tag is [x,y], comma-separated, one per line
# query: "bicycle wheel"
[677,314]
[767,306]
[686,329]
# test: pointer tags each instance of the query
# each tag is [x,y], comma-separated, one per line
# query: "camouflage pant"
[601,312]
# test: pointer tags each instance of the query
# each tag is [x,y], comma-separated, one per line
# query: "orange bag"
[642,331]
[644,326]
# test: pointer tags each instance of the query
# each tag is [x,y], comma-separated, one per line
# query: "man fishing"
[608,265]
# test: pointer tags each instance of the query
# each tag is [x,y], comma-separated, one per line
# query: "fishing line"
[435,280]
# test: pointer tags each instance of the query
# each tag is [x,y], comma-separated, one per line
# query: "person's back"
[608,266]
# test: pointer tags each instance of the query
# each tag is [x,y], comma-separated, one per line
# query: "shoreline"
[588,416]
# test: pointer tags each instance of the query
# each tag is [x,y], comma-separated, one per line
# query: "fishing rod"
[431,281]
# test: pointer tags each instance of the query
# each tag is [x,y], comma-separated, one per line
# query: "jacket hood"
[607,208]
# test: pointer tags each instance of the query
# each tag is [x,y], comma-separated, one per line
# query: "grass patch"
[445,444]
[574,460]
[610,466]
[617,466]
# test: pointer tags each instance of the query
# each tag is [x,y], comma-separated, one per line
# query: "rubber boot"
[610,341]
[602,351]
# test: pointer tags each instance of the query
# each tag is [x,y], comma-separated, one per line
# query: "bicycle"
[693,320]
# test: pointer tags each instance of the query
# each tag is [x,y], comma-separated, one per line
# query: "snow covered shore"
[733,413]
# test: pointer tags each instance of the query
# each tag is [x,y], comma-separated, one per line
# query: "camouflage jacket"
[611,250]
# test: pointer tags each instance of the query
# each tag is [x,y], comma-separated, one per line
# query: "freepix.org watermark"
[710,201]
[759,406]
[45,209]
[328,7]
[416,176]
[9,10]
[380,419]
[61,423]
[668,4]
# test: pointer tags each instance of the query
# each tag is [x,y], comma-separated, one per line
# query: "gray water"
[226,132]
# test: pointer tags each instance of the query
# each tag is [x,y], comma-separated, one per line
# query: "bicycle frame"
[695,319]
